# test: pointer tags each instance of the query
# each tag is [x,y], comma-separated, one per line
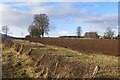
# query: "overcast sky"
[64,17]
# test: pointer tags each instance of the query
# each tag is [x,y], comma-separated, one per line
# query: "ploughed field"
[107,47]
[24,59]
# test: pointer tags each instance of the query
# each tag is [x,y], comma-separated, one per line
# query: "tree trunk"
[6,34]
[42,34]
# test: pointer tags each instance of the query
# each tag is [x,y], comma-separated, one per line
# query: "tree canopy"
[79,31]
[39,26]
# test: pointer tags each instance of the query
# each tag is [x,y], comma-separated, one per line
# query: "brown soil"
[107,47]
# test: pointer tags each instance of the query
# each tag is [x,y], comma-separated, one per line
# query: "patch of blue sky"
[99,7]
[19,8]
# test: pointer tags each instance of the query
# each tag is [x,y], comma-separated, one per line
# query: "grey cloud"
[101,21]
[14,18]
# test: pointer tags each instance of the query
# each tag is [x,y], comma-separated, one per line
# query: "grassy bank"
[23,65]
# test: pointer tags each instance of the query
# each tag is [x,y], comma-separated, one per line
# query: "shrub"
[27,36]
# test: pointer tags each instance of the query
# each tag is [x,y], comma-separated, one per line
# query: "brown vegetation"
[31,60]
[42,64]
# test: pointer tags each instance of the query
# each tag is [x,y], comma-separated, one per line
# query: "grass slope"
[108,64]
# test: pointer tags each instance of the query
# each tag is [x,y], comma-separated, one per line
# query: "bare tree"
[109,33]
[41,22]
[5,30]
[79,31]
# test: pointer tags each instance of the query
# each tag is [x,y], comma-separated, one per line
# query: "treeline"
[92,35]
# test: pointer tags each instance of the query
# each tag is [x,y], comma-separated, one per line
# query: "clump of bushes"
[27,36]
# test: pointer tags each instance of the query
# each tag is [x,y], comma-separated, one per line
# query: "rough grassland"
[16,65]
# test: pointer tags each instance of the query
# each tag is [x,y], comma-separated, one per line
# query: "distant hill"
[3,36]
